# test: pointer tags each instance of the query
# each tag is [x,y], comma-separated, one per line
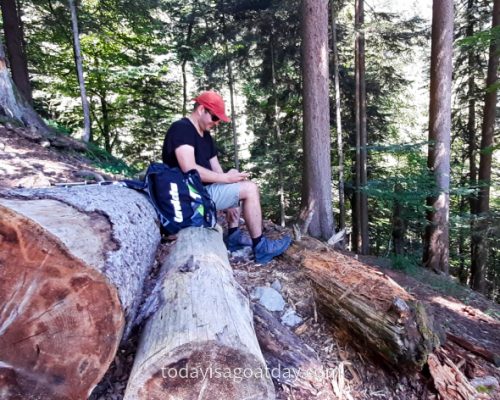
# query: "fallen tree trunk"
[72,266]
[475,348]
[200,341]
[290,361]
[373,311]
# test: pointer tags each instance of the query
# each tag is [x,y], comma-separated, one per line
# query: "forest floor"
[27,161]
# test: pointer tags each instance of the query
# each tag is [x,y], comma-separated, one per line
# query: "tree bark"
[477,348]
[73,264]
[79,69]
[185,55]
[277,130]
[362,244]
[200,337]
[15,48]
[13,106]
[471,129]
[231,91]
[372,310]
[340,144]
[233,113]
[471,95]
[436,241]
[317,164]
[480,228]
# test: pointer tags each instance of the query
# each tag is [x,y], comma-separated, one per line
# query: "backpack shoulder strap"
[134,184]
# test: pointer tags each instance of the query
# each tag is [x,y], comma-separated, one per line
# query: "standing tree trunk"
[436,241]
[105,126]
[233,112]
[231,91]
[186,55]
[471,126]
[480,234]
[361,200]
[15,47]
[79,68]
[277,127]
[462,252]
[14,106]
[317,164]
[340,144]
[471,117]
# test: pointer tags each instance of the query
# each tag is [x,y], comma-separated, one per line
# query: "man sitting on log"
[188,145]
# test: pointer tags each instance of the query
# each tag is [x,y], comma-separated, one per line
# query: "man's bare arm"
[185,158]
[216,167]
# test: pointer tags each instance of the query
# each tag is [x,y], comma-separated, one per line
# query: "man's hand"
[233,176]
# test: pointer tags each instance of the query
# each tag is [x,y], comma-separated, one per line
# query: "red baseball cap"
[214,102]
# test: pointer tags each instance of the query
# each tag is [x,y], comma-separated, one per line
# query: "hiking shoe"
[237,240]
[267,249]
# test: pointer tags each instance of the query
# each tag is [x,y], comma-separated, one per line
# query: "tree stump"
[372,310]
[72,267]
[200,341]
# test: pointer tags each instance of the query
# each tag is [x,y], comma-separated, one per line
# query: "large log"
[200,341]
[372,310]
[72,267]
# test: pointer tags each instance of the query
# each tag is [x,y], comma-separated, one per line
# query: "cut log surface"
[72,266]
[290,361]
[372,310]
[200,342]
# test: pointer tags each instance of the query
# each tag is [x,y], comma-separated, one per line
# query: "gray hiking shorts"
[224,195]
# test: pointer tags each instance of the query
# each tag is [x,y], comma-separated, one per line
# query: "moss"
[431,339]
[484,389]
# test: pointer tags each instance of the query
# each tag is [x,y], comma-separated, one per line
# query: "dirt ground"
[27,161]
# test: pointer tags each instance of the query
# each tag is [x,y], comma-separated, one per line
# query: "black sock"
[230,231]
[256,241]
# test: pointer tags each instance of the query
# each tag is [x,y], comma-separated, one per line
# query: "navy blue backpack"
[180,199]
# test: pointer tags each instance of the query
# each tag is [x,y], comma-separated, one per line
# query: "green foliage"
[481,40]
[397,192]
[445,285]
[132,91]
[58,127]
[103,160]
[405,263]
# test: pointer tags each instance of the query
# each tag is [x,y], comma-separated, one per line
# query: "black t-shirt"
[183,132]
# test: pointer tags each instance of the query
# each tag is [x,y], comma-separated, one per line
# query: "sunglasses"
[215,118]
